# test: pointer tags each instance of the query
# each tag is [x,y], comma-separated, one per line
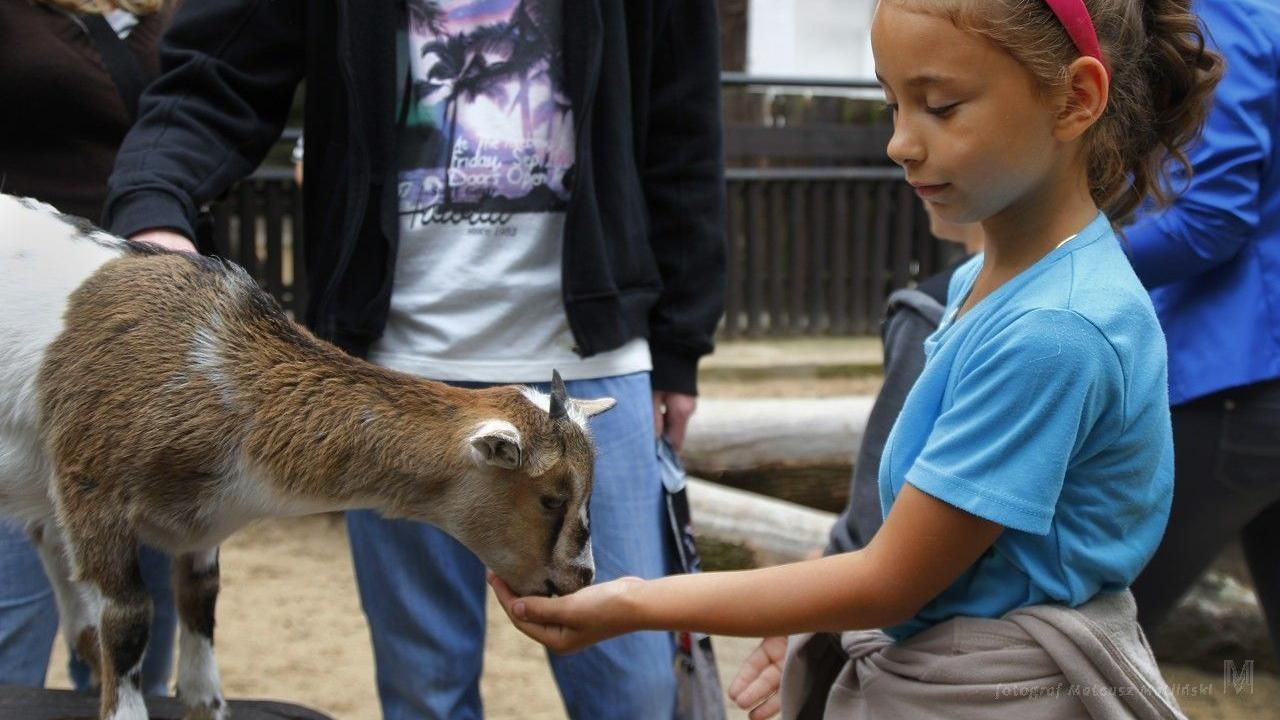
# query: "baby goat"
[163,398]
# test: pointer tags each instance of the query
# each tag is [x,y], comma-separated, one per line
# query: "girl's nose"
[904,146]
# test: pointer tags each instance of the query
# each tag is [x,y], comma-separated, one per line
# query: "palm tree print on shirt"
[488,102]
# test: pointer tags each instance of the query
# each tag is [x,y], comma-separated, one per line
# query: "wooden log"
[774,530]
[798,450]
[753,433]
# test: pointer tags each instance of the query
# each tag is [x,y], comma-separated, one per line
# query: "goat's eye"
[552,503]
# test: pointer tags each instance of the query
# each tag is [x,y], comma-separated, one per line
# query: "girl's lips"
[928,191]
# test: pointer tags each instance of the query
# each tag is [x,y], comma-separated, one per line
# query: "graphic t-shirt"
[486,163]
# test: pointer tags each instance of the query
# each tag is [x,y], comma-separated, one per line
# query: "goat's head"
[525,513]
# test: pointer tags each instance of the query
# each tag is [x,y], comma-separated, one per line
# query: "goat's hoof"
[213,709]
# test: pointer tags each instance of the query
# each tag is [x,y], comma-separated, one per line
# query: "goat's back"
[144,404]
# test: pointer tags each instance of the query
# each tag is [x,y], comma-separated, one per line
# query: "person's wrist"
[164,238]
[632,607]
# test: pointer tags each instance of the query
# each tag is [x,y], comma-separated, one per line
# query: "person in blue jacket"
[1212,263]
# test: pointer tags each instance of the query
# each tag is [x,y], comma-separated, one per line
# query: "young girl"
[1028,478]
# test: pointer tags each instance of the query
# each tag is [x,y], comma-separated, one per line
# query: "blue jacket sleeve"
[1218,212]
[229,71]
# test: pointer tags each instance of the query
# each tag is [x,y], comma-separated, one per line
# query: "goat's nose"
[585,574]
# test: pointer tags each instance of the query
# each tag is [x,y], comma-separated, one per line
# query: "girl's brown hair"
[94,7]
[1162,78]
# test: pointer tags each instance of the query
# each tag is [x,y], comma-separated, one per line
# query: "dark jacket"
[644,243]
[64,119]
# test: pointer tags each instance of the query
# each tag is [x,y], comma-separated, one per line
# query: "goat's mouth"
[566,586]
[549,587]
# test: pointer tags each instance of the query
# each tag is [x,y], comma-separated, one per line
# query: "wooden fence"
[255,225]
[815,251]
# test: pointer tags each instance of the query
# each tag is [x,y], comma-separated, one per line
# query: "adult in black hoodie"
[643,253]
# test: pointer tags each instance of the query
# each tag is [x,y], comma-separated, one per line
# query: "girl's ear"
[1085,99]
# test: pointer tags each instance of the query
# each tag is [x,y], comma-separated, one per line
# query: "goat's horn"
[559,397]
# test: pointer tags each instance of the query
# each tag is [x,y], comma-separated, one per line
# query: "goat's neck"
[341,434]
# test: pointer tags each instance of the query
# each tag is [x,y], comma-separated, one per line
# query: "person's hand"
[570,623]
[166,239]
[756,686]
[671,413]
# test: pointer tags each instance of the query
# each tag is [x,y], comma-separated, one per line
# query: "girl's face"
[969,127]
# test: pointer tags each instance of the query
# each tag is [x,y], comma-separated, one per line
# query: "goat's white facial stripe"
[585,557]
[580,490]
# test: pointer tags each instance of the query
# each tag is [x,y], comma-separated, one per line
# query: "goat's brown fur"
[143,428]
[178,402]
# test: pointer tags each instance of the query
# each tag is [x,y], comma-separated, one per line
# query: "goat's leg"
[79,603]
[108,557]
[195,577]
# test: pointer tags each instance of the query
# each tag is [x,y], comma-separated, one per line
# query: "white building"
[810,38]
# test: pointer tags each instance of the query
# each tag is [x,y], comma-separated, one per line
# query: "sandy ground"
[290,628]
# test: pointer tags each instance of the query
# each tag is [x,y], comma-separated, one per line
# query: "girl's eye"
[552,503]
[942,110]
[890,108]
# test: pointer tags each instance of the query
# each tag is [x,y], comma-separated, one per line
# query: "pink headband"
[1074,16]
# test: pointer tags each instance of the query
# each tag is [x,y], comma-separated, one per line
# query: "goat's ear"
[591,408]
[496,443]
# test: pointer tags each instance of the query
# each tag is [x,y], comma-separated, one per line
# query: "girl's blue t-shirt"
[1043,408]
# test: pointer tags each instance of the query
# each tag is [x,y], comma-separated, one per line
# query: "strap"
[125,71]
[1074,16]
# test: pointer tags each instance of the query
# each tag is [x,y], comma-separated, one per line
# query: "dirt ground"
[290,628]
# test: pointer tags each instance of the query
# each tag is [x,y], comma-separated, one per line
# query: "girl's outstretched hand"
[573,622]
[755,689]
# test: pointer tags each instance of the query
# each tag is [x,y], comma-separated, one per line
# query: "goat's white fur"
[199,683]
[578,410]
[30,318]
[79,603]
[129,704]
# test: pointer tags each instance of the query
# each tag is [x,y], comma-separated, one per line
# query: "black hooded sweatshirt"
[644,229]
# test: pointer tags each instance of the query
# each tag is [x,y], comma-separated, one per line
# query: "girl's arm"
[924,545]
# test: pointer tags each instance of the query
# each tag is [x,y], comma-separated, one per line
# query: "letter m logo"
[1240,680]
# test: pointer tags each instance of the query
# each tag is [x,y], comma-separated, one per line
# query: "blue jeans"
[29,618]
[424,593]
